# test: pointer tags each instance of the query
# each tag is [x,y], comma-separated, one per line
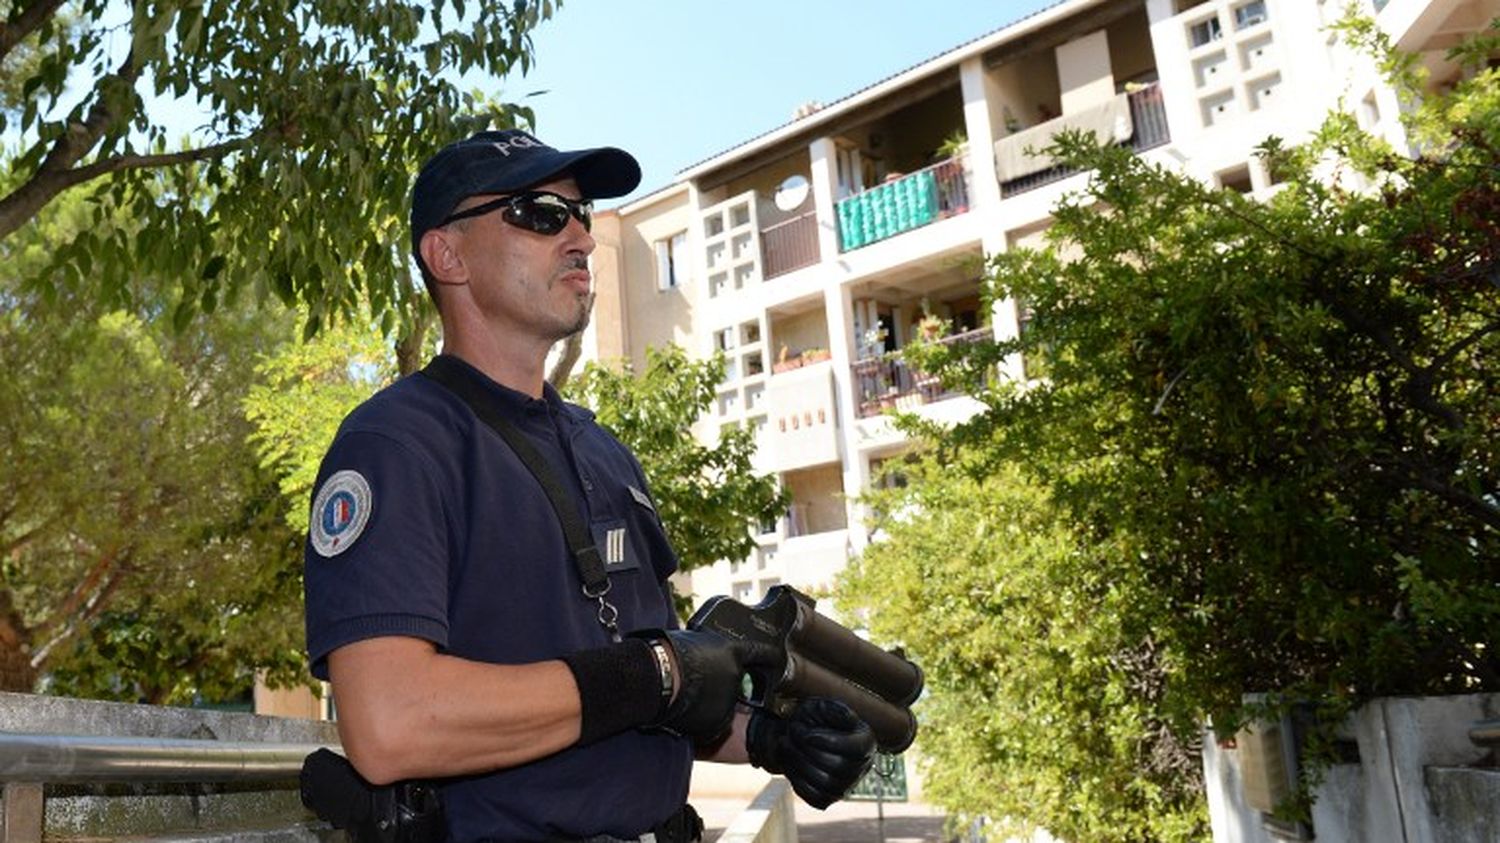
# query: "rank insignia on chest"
[612,538]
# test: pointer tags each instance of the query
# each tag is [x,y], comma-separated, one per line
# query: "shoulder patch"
[340,512]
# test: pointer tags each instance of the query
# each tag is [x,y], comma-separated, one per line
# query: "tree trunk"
[411,345]
[563,369]
[16,673]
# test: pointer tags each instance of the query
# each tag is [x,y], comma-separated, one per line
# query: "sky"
[677,81]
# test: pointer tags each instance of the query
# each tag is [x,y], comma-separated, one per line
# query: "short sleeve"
[376,557]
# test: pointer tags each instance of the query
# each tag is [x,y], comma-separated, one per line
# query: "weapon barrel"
[894,726]
[886,674]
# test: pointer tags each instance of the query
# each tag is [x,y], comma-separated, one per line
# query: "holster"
[685,826]
[404,812]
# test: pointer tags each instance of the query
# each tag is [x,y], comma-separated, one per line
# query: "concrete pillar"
[704,340]
[983,115]
[1084,75]
[1178,88]
[839,305]
[824,155]
[21,813]
[984,124]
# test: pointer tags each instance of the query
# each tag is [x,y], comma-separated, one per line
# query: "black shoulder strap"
[458,380]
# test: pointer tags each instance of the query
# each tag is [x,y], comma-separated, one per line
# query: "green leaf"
[214,266]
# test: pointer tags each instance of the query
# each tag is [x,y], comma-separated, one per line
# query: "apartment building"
[807,253]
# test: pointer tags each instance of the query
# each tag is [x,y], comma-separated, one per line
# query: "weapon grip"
[770,622]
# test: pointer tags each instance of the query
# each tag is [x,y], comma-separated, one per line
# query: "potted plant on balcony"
[931,327]
[872,343]
[954,145]
[952,198]
[815,355]
[785,361]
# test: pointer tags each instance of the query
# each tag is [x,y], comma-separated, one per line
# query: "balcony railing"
[928,195]
[789,245]
[1148,116]
[885,383]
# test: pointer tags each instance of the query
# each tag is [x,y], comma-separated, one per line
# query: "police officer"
[443,601]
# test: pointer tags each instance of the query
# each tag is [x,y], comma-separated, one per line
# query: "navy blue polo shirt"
[426,524]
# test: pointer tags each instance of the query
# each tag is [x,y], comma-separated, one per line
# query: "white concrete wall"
[1083,72]
[1385,798]
[770,818]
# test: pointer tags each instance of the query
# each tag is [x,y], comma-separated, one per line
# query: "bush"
[1269,437]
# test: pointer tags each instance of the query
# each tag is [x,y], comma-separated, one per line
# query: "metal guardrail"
[886,382]
[29,762]
[1486,733]
[1148,113]
[789,245]
[80,758]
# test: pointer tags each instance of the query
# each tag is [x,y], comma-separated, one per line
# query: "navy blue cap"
[508,161]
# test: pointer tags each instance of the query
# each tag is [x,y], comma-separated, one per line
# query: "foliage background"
[144,551]
[150,292]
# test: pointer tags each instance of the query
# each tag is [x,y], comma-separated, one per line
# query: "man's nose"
[579,237]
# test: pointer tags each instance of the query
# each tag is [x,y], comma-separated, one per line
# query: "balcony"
[928,195]
[802,427]
[789,245]
[886,383]
[1146,128]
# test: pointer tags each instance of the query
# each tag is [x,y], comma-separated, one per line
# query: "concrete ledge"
[37,713]
[1464,801]
[252,812]
[770,818]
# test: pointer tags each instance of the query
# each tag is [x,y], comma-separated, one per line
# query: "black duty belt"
[685,826]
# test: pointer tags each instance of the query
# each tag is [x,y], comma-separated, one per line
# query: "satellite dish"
[791,193]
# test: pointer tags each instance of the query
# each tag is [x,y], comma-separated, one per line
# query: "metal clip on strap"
[457,378]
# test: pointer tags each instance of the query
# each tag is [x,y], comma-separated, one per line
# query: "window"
[1250,14]
[1236,179]
[671,261]
[724,340]
[1205,32]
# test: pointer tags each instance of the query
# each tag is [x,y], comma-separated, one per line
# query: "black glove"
[709,668]
[822,749]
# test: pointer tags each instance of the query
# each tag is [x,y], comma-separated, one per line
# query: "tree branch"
[26,200]
[91,610]
[88,585]
[13,631]
[562,369]
[1461,346]
[20,541]
[53,176]
[24,20]
[1473,505]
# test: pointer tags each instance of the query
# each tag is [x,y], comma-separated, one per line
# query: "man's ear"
[442,258]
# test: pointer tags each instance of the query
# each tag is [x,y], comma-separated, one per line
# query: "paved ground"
[845,822]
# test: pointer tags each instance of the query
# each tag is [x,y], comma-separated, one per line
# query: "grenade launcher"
[820,658]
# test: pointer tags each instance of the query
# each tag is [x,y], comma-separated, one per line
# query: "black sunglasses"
[539,211]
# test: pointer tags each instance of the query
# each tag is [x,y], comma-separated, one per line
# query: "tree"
[709,498]
[1044,702]
[1271,426]
[304,390]
[130,498]
[318,114]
